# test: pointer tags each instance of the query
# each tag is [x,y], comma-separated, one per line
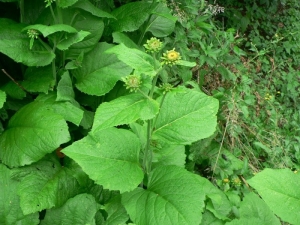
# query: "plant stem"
[22,11]
[146,26]
[54,70]
[160,105]
[59,15]
[53,15]
[147,161]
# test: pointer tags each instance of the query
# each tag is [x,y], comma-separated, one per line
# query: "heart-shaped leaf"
[186,117]
[100,71]
[278,189]
[124,110]
[173,196]
[32,132]
[110,157]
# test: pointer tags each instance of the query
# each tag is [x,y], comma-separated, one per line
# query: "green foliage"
[97,126]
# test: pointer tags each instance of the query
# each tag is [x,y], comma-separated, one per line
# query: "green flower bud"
[132,82]
[33,33]
[153,45]
[166,87]
[49,2]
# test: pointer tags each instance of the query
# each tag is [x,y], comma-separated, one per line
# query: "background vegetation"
[64,65]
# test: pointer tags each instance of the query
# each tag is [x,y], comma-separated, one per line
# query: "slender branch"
[10,77]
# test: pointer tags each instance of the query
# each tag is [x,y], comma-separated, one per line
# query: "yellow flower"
[171,57]
[226,180]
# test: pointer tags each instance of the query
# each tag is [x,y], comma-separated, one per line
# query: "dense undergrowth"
[149,112]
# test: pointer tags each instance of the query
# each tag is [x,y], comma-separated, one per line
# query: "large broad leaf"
[186,117]
[78,210]
[278,188]
[38,79]
[217,202]
[166,154]
[173,196]
[48,30]
[32,132]
[89,7]
[161,23]
[13,90]
[70,111]
[138,60]
[110,157]
[2,98]
[10,210]
[46,185]
[66,3]
[100,71]
[124,39]
[83,21]
[15,45]
[116,213]
[130,16]
[253,210]
[71,39]
[124,110]
[209,219]
[65,90]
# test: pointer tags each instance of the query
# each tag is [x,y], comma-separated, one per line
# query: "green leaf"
[138,60]
[173,196]
[15,45]
[38,79]
[278,189]
[10,210]
[78,210]
[47,30]
[2,98]
[165,154]
[13,90]
[100,71]
[66,3]
[255,210]
[116,212]
[90,8]
[210,219]
[103,154]
[239,51]
[186,63]
[31,133]
[161,23]
[47,184]
[71,39]
[124,110]
[65,90]
[217,202]
[130,16]
[69,111]
[87,120]
[122,38]
[85,22]
[186,117]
